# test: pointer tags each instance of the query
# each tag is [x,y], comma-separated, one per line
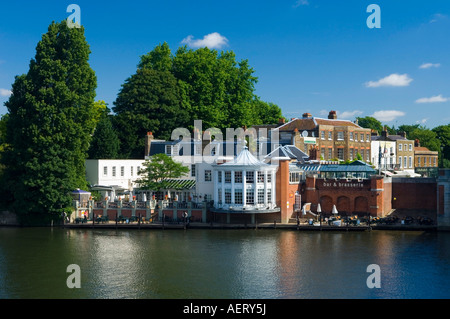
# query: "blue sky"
[309,55]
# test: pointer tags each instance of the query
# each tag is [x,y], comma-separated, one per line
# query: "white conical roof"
[245,158]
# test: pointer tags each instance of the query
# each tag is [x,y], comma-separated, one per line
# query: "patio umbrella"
[130,197]
[144,197]
[334,211]
[319,209]
[304,210]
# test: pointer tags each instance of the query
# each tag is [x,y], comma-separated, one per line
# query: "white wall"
[95,172]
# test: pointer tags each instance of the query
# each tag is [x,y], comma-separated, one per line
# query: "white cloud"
[212,41]
[437,17]
[299,3]
[429,65]
[387,116]
[422,121]
[4,92]
[391,80]
[349,114]
[433,99]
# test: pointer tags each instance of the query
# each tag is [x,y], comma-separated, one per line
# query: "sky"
[309,55]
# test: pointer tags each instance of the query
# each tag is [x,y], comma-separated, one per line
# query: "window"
[260,196]
[238,177]
[330,153]
[122,171]
[250,177]
[169,150]
[131,170]
[405,163]
[356,137]
[105,170]
[400,161]
[207,175]
[340,153]
[410,162]
[424,161]
[260,177]
[193,170]
[228,177]
[269,177]
[322,135]
[351,154]
[114,171]
[330,135]
[250,197]
[269,195]
[340,135]
[238,196]
[197,149]
[219,195]
[294,177]
[219,177]
[405,147]
[367,137]
[434,161]
[138,170]
[418,160]
[351,136]
[368,156]
[322,152]
[227,196]
[410,147]
[400,147]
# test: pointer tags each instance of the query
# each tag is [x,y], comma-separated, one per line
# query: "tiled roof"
[312,123]
[320,121]
[424,150]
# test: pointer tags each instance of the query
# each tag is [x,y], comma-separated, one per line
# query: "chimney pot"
[332,115]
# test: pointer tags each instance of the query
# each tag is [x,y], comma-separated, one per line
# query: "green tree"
[428,138]
[51,119]
[158,170]
[370,122]
[105,142]
[149,100]
[443,135]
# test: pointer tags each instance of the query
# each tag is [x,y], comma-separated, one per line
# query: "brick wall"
[414,194]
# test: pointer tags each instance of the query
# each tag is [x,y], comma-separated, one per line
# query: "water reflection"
[222,264]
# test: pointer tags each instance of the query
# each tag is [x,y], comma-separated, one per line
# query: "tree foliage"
[370,122]
[149,100]
[206,85]
[105,142]
[51,118]
[158,170]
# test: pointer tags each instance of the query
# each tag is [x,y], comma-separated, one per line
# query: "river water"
[222,264]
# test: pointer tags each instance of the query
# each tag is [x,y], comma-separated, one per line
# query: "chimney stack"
[385,133]
[307,115]
[148,141]
[281,121]
[332,115]
[402,134]
[417,143]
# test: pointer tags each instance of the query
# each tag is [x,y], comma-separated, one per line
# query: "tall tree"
[105,142]
[149,100]
[51,119]
[443,134]
[370,122]
[158,170]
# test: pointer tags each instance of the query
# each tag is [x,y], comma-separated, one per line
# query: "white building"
[120,174]
[243,184]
